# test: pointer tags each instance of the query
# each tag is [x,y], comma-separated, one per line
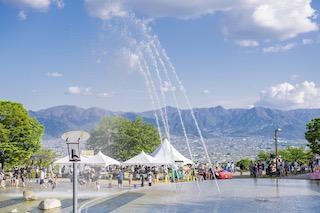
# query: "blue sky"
[230,53]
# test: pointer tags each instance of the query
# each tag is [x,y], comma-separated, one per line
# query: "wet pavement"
[11,198]
[237,195]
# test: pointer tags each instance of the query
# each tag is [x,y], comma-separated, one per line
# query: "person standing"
[120,178]
[228,167]
[142,178]
[36,169]
[110,179]
[150,177]
[232,167]
[29,168]
[98,185]
[2,180]
[241,167]
[22,176]
[165,173]
[255,170]
[16,175]
[42,176]
[50,171]
[130,177]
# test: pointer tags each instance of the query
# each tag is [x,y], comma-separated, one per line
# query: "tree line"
[120,138]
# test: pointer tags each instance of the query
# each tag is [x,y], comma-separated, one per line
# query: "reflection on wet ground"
[113,203]
[237,195]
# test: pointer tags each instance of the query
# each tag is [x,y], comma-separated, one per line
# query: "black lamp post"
[73,140]
[74,157]
[276,136]
[73,150]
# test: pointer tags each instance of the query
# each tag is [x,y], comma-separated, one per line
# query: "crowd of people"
[278,168]
[20,176]
[46,177]
[143,175]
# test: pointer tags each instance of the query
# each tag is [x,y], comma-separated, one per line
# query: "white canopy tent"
[101,159]
[140,159]
[166,154]
[65,160]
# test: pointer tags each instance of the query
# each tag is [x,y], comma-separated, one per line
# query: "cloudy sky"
[239,53]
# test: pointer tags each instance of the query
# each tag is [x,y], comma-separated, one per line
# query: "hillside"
[215,121]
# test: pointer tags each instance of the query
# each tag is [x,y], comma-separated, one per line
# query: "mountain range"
[213,122]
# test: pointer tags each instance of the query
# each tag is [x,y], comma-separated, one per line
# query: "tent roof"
[102,159]
[65,160]
[140,159]
[167,154]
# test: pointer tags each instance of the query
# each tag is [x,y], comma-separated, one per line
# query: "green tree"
[45,156]
[298,154]
[313,135]
[289,154]
[20,134]
[245,162]
[264,156]
[122,139]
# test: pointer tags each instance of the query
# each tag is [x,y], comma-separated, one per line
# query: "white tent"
[101,159]
[65,160]
[166,154]
[140,159]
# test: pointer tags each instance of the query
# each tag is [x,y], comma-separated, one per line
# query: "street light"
[73,140]
[276,135]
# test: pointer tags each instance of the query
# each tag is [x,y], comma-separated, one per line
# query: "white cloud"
[87,91]
[33,4]
[54,74]
[205,91]
[247,43]
[278,48]
[22,15]
[287,18]
[243,19]
[288,96]
[307,41]
[74,90]
[39,5]
[156,8]
[106,9]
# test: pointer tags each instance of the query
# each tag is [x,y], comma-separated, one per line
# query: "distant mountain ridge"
[214,121]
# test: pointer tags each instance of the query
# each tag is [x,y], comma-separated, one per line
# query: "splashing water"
[153,58]
[151,98]
[153,88]
[172,69]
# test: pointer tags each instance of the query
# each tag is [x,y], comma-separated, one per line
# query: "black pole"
[75,193]
[276,132]
[276,145]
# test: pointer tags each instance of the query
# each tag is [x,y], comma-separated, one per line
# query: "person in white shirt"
[42,177]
